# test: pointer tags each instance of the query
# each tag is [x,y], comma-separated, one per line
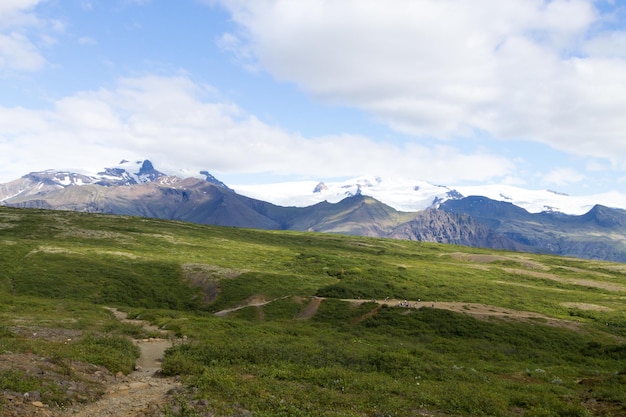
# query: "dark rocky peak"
[114,172]
[320,187]
[450,195]
[454,194]
[115,176]
[124,174]
[355,193]
[147,173]
[146,168]
[210,178]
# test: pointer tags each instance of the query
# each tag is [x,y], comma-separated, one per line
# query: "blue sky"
[523,92]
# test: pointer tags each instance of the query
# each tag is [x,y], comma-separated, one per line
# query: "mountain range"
[517,219]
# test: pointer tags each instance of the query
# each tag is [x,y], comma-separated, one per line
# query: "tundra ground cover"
[265,356]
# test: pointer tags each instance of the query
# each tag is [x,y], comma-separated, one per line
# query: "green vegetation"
[298,332]
[20,381]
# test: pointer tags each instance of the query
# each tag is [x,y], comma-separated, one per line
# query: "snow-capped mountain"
[416,195]
[401,194]
[493,216]
[126,173]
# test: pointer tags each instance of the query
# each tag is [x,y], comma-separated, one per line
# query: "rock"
[138,385]
[32,395]
[37,404]
[320,187]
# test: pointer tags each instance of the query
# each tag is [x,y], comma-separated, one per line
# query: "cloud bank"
[176,120]
[18,45]
[547,71]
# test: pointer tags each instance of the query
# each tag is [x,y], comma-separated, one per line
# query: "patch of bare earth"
[140,393]
[367,315]
[254,301]
[80,383]
[311,308]
[86,390]
[207,278]
[480,311]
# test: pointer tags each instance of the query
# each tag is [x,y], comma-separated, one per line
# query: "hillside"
[598,234]
[293,323]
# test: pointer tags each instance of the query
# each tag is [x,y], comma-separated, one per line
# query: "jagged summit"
[320,187]
[126,173]
[210,178]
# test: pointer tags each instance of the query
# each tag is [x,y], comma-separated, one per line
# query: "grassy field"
[302,327]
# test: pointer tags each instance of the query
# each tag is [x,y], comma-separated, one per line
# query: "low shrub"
[113,352]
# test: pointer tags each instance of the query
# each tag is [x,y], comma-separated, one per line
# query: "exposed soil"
[254,301]
[480,311]
[91,391]
[311,308]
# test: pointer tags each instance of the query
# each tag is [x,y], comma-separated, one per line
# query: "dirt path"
[132,395]
[252,302]
[481,311]
[311,308]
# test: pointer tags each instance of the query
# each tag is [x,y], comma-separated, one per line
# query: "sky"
[529,93]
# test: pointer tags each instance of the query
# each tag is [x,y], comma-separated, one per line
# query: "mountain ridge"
[138,189]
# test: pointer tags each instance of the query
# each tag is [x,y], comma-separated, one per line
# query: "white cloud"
[86,40]
[562,177]
[176,123]
[535,70]
[10,9]
[607,45]
[18,52]
[231,43]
